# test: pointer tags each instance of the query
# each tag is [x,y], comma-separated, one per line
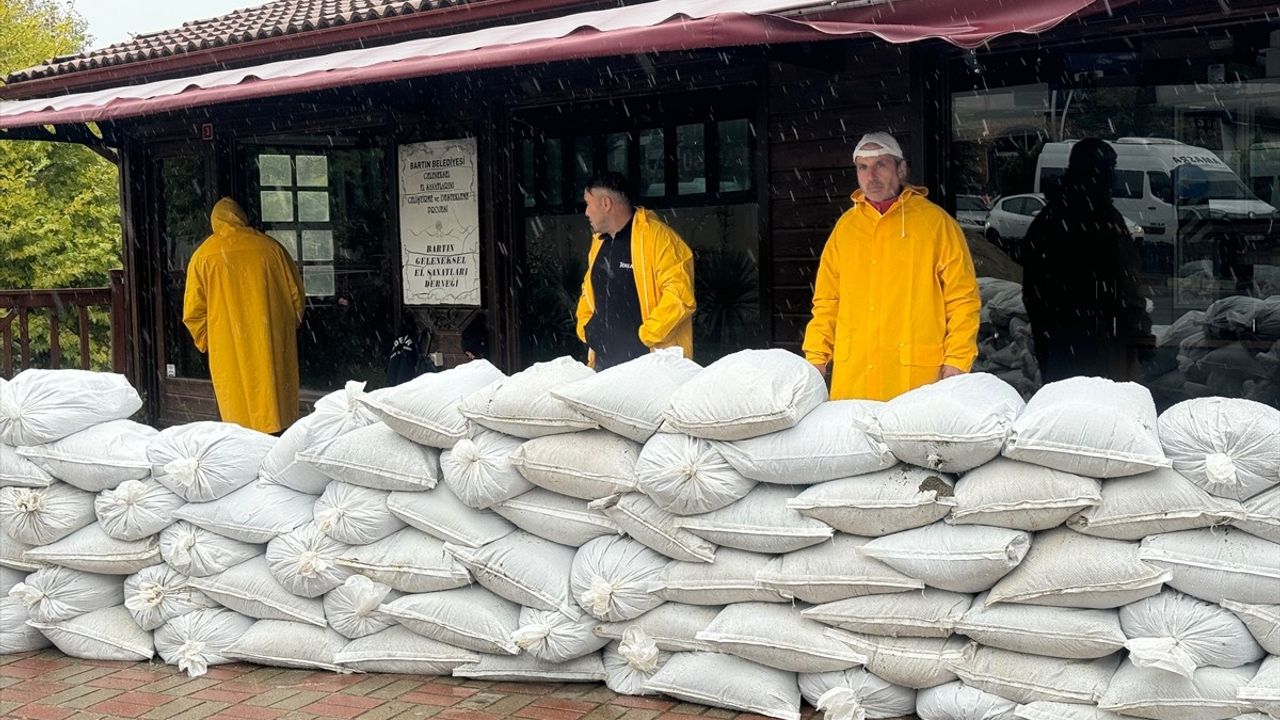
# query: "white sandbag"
[631,663]
[555,517]
[959,558]
[13,555]
[747,394]
[1041,710]
[1263,622]
[1218,564]
[760,522]
[1011,494]
[928,613]
[9,578]
[478,469]
[522,404]
[400,650]
[106,634]
[907,661]
[409,561]
[1263,691]
[957,701]
[617,578]
[40,406]
[832,571]
[39,516]
[953,425]
[1089,426]
[1062,632]
[1151,693]
[829,443]
[1177,633]
[524,569]
[204,461]
[551,636]
[375,456]
[16,636]
[90,549]
[590,464]
[425,409]
[96,458]
[609,397]
[879,503]
[686,475]
[53,594]
[17,471]
[1227,446]
[281,643]
[778,636]
[856,694]
[1029,678]
[253,514]
[526,668]
[640,518]
[730,579]
[158,594]
[250,589]
[355,515]
[196,552]
[304,561]
[729,682]
[338,412]
[1067,569]
[672,626]
[440,513]
[198,639]
[352,607]
[469,617]
[1262,515]
[1156,502]
[136,509]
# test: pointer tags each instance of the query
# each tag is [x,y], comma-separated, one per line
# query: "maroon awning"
[664,25]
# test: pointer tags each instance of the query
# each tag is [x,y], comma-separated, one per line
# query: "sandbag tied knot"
[598,598]
[530,635]
[841,703]
[354,390]
[191,658]
[26,594]
[368,594]
[1221,469]
[312,564]
[329,518]
[29,500]
[1162,653]
[183,470]
[128,493]
[640,651]
[149,595]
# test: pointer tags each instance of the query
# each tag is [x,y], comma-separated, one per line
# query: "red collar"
[883,207]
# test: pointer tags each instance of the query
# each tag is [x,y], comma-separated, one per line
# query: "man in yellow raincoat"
[243,305]
[638,291]
[896,302]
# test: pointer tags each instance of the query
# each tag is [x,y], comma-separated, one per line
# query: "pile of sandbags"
[1230,349]
[1006,348]
[723,535]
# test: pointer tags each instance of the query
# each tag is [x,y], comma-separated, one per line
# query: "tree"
[59,219]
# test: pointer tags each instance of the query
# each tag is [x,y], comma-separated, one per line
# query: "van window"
[1127,184]
[1161,185]
[1050,179]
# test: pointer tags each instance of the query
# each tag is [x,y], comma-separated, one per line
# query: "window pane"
[313,170]
[526,172]
[318,280]
[287,238]
[274,170]
[617,150]
[277,205]
[735,156]
[691,159]
[554,187]
[653,174]
[1127,184]
[313,206]
[317,244]
[583,163]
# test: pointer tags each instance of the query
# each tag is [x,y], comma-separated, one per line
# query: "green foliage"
[59,219]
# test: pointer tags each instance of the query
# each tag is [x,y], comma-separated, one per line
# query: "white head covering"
[885,142]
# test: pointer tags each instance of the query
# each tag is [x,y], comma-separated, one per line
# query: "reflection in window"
[317,245]
[277,205]
[583,163]
[735,155]
[275,170]
[313,170]
[653,177]
[691,160]
[526,173]
[554,190]
[313,206]
[318,280]
[617,152]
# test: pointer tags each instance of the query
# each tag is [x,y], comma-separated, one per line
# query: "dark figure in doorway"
[1080,276]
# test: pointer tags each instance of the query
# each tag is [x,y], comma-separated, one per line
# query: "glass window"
[275,170]
[618,152]
[1127,184]
[691,160]
[185,198]
[277,205]
[554,190]
[313,170]
[1161,186]
[735,155]
[653,166]
[317,244]
[287,238]
[313,206]
[318,280]
[526,172]
[583,163]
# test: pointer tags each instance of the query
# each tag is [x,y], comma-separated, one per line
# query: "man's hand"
[947,371]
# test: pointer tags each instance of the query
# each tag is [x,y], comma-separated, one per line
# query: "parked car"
[971,211]
[1010,217]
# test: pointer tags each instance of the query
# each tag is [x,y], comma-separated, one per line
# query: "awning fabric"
[663,25]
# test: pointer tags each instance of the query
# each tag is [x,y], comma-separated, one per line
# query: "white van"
[1146,171]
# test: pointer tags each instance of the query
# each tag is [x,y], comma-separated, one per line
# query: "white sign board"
[440,223]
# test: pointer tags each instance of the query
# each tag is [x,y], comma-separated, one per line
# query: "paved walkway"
[48,685]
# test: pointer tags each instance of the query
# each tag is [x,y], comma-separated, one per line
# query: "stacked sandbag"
[1227,350]
[1006,347]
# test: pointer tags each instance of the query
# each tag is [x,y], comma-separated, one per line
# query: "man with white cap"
[896,302]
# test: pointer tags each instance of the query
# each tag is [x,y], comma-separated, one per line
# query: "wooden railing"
[18,306]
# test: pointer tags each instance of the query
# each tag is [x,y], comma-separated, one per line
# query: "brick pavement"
[47,685]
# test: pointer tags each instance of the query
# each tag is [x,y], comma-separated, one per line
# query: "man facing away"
[638,291]
[896,302]
[243,305]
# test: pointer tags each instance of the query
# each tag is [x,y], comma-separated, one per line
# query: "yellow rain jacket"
[243,305]
[663,266]
[896,299]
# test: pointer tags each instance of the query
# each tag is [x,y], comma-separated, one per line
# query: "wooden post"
[55,342]
[119,326]
[84,337]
